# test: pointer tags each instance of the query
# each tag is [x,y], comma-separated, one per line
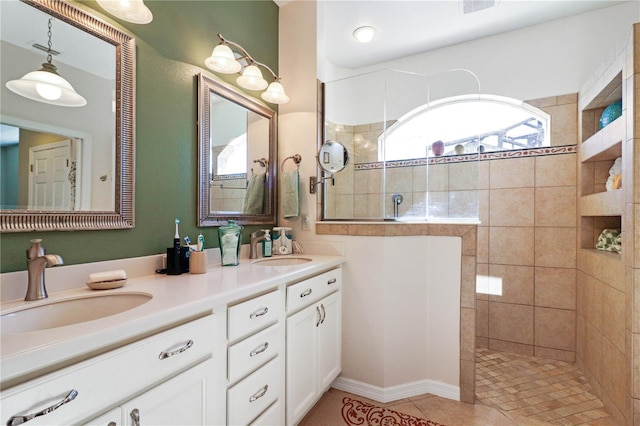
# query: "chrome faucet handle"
[37,261]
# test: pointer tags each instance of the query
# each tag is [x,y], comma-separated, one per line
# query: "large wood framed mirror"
[237,157]
[66,168]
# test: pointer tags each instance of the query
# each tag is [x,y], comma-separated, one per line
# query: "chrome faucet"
[37,261]
[256,237]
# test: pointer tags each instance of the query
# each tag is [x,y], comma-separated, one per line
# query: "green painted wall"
[170,53]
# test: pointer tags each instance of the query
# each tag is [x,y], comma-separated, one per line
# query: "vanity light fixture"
[224,60]
[46,85]
[364,34]
[134,11]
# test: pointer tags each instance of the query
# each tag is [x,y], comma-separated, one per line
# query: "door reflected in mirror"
[237,143]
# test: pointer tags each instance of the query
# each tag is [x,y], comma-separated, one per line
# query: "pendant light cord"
[49,56]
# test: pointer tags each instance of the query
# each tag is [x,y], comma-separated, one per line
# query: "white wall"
[549,59]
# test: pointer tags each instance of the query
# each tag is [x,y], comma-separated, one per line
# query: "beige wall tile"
[464,176]
[555,287]
[482,254]
[368,181]
[556,170]
[548,353]
[555,328]
[517,283]
[482,270]
[468,282]
[344,206]
[511,207]
[438,177]
[614,375]
[555,247]
[483,207]
[564,124]
[464,204]
[482,342]
[512,323]
[511,245]
[511,173]
[593,350]
[367,206]
[438,204]
[555,206]
[613,316]
[398,179]
[482,318]
[516,348]
[419,179]
[593,297]
[467,334]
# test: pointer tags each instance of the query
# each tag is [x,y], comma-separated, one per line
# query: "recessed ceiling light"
[364,34]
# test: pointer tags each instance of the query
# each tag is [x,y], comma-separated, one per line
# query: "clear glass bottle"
[230,239]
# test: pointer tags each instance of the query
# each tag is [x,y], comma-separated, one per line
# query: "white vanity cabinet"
[169,376]
[314,341]
[255,371]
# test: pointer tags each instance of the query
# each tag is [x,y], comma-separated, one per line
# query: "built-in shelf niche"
[592,226]
[591,114]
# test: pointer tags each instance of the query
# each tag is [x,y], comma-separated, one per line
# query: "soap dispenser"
[267,244]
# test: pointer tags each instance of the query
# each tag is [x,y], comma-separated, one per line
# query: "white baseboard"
[394,393]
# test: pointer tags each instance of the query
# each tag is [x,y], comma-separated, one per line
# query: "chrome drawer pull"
[331,281]
[306,293]
[256,396]
[164,355]
[259,349]
[18,420]
[135,416]
[319,316]
[324,314]
[259,313]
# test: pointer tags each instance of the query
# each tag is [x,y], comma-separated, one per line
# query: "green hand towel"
[290,194]
[254,197]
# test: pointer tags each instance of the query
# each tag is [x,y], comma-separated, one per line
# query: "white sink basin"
[281,261]
[70,311]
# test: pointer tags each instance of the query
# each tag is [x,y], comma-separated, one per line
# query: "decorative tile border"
[466,158]
[229,177]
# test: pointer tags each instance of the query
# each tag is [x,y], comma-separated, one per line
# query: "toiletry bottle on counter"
[267,244]
[230,238]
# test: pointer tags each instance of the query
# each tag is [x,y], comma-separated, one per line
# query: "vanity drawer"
[249,398]
[107,379]
[306,292]
[254,314]
[252,352]
[273,416]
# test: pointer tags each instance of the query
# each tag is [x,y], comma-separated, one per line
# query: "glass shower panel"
[354,114]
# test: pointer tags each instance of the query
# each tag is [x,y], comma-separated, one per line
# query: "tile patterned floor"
[510,389]
[551,391]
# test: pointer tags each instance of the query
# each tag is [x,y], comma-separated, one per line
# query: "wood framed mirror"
[237,162]
[97,178]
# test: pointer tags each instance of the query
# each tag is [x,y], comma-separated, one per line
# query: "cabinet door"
[329,340]
[302,355]
[186,399]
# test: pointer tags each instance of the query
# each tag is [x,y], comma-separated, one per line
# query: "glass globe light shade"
[252,79]
[275,94]
[46,85]
[223,60]
[133,11]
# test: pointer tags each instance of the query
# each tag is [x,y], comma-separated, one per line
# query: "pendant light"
[224,60]
[46,85]
[134,11]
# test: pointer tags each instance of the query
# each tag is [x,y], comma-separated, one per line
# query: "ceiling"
[407,27]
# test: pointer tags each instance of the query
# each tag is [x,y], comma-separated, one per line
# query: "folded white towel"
[116,275]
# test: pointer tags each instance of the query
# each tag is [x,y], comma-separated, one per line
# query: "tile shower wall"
[527,242]
[526,239]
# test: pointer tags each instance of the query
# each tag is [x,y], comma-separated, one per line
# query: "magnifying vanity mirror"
[333,157]
[237,157]
[66,168]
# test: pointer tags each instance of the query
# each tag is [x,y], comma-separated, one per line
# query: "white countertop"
[175,299]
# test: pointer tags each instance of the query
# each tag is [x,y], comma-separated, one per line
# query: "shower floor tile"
[549,391]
